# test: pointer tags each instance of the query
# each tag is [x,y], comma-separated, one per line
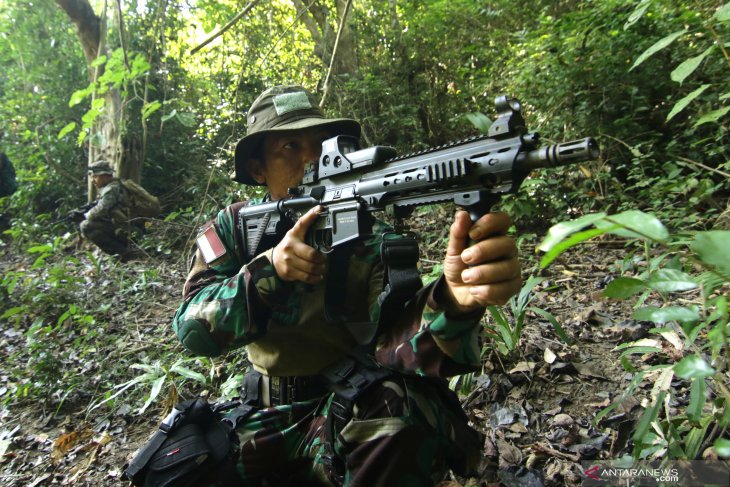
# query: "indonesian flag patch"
[210,245]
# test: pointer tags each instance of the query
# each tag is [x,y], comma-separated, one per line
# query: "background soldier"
[392,419]
[107,224]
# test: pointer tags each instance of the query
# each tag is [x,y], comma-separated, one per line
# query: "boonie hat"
[101,167]
[279,109]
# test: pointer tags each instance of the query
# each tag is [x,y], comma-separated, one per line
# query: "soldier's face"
[101,180]
[285,156]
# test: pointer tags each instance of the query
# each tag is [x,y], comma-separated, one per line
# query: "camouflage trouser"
[105,235]
[404,431]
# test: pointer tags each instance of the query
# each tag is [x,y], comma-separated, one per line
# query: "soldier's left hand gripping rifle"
[350,183]
[77,215]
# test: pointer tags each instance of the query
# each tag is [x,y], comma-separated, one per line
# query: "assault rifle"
[77,215]
[350,183]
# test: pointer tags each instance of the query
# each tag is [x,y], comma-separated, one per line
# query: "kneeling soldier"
[327,408]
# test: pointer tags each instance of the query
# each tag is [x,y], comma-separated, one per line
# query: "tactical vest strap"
[399,257]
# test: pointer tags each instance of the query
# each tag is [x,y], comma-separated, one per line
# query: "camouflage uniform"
[107,224]
[406,430]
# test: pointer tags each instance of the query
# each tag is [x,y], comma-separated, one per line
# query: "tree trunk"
[105,141]
[321,24]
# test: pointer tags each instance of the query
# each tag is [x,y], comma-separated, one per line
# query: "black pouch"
[190,443]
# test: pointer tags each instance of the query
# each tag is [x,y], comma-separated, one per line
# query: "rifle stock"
[350,183]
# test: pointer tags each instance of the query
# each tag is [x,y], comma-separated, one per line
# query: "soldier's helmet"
[101,167]
[279,109]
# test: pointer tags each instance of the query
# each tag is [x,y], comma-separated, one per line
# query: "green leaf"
[36,249]
[711,248]
[696,400]
[637,13]
[189,374]
[650,414]
[12,311]
[664,315]
[553,321]
[624,287]
[713,116]
[658,46]
[560,231]
[480,121]
[79,95]
[682,104]
[572,241]
[150,108]
[670,280]
[723,13]
[168,116]
[98,61]
[154,392]
[635,224]
[688,67]
[722,445]
[692,367]
[68,128]
[186,119]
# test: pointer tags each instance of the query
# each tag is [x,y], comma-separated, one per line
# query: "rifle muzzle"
[560,154]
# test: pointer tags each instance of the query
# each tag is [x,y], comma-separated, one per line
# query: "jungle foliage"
[649,79]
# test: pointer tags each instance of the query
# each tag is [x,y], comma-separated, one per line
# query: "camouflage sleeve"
[428,340]
[108,198]
[227,302]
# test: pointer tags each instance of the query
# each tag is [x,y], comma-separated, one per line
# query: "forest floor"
[536,405]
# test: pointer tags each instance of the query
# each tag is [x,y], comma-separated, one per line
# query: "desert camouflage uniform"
[406,430]
[107,223]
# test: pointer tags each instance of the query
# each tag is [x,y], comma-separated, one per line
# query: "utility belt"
[265,391]
[347,378]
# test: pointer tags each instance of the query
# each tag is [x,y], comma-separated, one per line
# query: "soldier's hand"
[293,259]
[487,271]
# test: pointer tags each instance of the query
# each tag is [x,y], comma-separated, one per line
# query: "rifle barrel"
[560,154]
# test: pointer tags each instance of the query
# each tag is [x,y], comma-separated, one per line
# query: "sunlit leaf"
[693,366]
[669,313]
[637,13]
[189,374]
[79,95]
[636,224]
[98,61]
[712,249]
[670,280]
[150,108]
[563,229]
[723,13]
[154,392]
[722,447]
[688,67]
[656,47]
[68,128]
[713,116]
[682,104]
[168,116]
[480,121]
[574,240]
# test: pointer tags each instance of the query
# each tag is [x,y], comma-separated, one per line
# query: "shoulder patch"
[210,245]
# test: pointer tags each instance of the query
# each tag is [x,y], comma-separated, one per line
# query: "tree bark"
[91,33]
[321,22]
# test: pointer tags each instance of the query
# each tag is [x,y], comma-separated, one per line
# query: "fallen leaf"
[549,356]
[63,445]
